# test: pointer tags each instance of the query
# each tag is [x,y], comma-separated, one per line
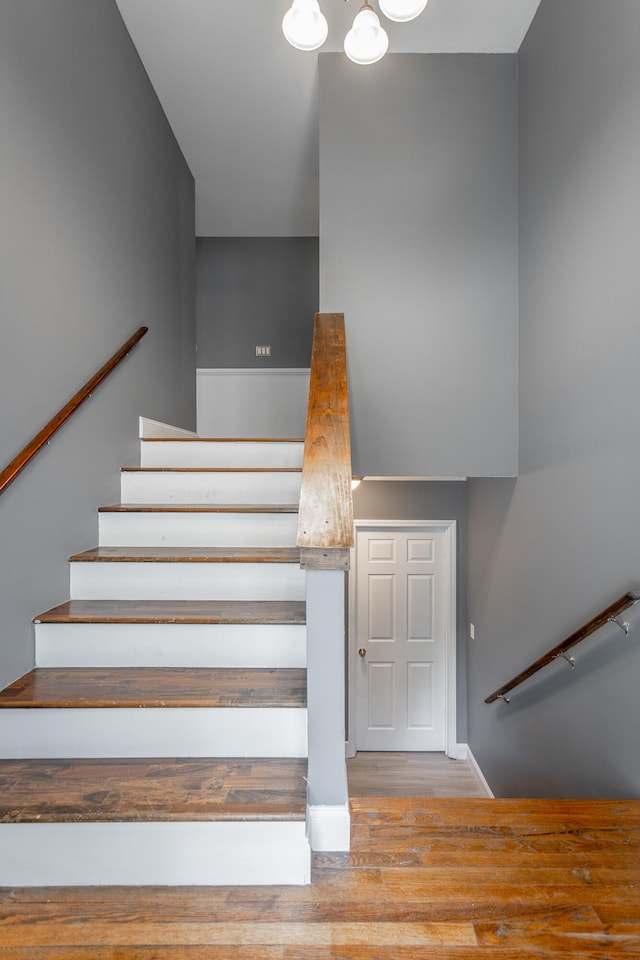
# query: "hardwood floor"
[450,879]
[412,775]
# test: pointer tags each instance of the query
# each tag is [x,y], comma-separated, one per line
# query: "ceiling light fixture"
[304,25]
[306,28]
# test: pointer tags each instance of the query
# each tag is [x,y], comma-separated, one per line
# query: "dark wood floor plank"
[151,790]
[188,555]
[252,508]
[211,469]
[157,687]
[176,611]
[223,440]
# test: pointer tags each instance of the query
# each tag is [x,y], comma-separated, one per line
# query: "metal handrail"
[610,614]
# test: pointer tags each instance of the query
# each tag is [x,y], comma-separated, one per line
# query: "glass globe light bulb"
[402,10]
[366,42]
[304,25]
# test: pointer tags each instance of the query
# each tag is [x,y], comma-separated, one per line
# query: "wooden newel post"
[325,537]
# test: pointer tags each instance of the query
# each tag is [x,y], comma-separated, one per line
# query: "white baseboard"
[458,752]
[474,763]
[329,827]
[349,749]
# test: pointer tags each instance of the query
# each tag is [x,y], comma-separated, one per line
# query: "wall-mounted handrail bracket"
[623,624]
[565,656]
[501,696]
[610,614]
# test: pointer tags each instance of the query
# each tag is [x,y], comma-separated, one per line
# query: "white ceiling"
[243,103]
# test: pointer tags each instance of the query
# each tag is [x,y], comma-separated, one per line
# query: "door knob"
[362,652]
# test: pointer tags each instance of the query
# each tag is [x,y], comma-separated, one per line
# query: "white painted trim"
[155,428]
[252,371]
[350,749]
[474,763]
[262,645]
[186,581]
[459,752]
[153,732]
[124,853]
[449,527]
[329,827]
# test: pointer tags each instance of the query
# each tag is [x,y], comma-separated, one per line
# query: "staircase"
[162,737]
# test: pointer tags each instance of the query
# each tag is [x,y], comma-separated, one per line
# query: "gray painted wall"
[548,551]
[418,247]
[96,238]
[427,500]
[256,291]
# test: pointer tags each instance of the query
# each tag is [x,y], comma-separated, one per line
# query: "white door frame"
[449,529]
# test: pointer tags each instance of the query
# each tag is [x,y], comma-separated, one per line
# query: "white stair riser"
[153,732]
[100,854]
[205,453]
[170,645]
[197,529]
[208,487]
[186,581]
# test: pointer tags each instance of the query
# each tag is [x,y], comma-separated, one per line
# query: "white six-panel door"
[404,601]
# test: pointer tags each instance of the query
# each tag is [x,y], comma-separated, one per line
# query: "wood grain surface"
[326,509]
[188,555]
[199,508]
[223,439]
[156,687]
[176,611]
[449,879]
[49,791]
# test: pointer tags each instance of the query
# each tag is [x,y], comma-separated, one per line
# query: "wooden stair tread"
[189,555]
[176,611]
[277,508]
[153,687]
[211,469]
[223,439]
[53,791]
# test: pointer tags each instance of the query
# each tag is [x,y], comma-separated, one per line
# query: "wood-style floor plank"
[412,774]
[223,439]
[157,687]
[210,469]
[188,555]
[487,902]
[176,611]
[200,508]
[49,791]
